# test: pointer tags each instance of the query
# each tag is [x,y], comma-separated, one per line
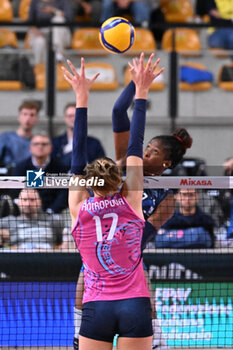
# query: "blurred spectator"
[228,170]
[15,6]
[32,229]
[62,145]
[202,7]
[49,11]
[228,166]
[189,227]
[212,202]
[91,8]
[14,145]
[221,12]
[7,205]
[230,224]
[139,9]
[53,200]
[157,17]
[227,198]
[188,167]
[68,243]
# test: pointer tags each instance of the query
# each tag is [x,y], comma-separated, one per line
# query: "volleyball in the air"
[117,35]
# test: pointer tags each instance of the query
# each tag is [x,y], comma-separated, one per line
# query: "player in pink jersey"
[108,234]
[108,227]
[158,204]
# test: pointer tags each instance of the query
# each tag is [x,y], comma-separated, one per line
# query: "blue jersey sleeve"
[150,202]
[79,152]
[120,119]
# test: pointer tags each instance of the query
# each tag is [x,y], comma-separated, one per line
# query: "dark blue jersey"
[151,197]
[150,201]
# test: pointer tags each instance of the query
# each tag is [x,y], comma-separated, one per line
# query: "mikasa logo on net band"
[192,182]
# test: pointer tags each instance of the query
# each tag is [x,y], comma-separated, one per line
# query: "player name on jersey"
[102,204]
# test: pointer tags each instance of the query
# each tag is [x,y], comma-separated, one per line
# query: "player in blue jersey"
[162,152]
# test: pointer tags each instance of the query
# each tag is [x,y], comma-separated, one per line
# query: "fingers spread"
[95,77]
[66,72]
[130,65]
[141,62]
[82,70]
[155,64]
[72,67]
[159,72]
[149,62]
[69,81]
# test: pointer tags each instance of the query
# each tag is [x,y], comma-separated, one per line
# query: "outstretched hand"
[80,84]
[143,76]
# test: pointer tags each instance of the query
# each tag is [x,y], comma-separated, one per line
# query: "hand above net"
[144,75]
[79,82]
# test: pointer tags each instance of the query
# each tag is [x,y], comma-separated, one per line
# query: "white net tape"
[207,182]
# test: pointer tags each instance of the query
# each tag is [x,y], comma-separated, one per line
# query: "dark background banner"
[168,266]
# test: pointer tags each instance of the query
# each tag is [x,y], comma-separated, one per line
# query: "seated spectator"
[91,8]
[7,205]
[157,17]
[32,229]
[63,144]
[53,200]
[44,12]
[221,12]
[211,203]
[14,145]
[139,9]
[189,227]
[202,8]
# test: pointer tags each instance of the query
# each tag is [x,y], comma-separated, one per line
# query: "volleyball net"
[189,263]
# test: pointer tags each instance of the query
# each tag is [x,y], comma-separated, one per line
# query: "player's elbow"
[116,109]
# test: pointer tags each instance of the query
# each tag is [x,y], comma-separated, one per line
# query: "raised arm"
[81,86]
[143,78]
[121,123]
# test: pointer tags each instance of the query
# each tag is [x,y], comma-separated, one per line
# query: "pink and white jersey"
[108,236]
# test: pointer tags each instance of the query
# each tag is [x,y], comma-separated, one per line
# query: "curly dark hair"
[175,145]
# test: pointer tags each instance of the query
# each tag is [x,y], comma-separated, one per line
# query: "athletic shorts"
[102,320]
